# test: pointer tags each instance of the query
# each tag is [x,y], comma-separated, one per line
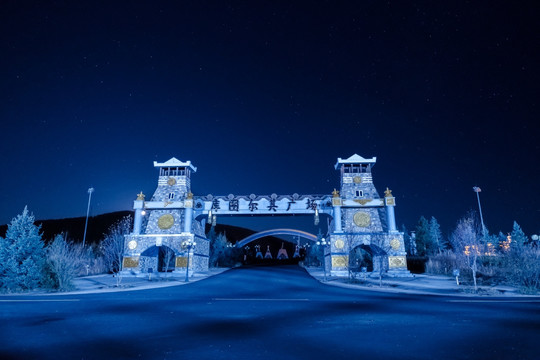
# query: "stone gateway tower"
[168,231]
[164,236]
[363,219]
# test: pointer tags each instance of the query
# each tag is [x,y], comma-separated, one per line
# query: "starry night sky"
[264,96]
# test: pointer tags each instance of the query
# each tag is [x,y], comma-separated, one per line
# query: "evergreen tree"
[437,242]
[212,235]
[223,253]
[518,236]
[410,246]
[22,255]
[422,236]
[218,246]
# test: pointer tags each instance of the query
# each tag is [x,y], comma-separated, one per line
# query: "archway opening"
[158,259]
[371,257]
[287,237]
[361,257]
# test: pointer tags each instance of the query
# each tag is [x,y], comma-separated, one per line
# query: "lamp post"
[477,190]
[246,250]
[90,191]
[535,239]
[322,243]
[188,244]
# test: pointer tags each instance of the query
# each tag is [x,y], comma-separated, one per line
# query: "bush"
[66,261]
[444,264]
[93,262]
[523,269]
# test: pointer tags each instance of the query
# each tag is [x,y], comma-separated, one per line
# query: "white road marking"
[256,299]
[40,300]
[494,301]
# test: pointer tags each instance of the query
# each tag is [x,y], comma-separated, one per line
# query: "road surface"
[267,313]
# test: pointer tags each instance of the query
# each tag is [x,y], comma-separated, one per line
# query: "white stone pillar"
[389,203]
[138,205]
[337,219]
[336,202]
[188,212]
[188,219]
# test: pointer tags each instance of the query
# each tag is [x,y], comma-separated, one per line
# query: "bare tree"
[355,257]
[466,241]
[380,247]
[168,255]
[113,246]
[65,261]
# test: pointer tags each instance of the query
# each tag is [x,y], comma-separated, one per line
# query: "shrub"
[523,269]
[443,264]
[64,263]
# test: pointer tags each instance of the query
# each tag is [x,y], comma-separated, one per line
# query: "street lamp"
[188,244]
[246,250]
[90,191]
[323,243]
[477,190]
[535,239]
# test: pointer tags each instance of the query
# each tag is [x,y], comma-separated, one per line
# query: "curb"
[393,287]
[142,284]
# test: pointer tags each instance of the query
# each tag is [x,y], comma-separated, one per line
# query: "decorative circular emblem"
[357,180]
[132,245]
[171,181]
[395,244]
[362,219]
[165,221]
[339,244]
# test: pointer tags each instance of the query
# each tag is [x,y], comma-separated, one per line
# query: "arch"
[159,258]
[377,257]
[273,232]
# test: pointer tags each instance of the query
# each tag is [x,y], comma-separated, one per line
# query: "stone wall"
[136,261]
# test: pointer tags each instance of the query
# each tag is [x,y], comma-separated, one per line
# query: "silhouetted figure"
[282,253]
[259,254]
[268,254]
[296,252]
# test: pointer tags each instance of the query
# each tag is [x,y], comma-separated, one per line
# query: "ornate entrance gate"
[175,218]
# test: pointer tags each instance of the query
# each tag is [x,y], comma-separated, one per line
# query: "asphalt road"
[267,313]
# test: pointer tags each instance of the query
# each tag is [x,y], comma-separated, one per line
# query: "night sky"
[264,96]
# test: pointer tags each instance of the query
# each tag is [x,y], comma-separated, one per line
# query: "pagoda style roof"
[174,162]
[355,159]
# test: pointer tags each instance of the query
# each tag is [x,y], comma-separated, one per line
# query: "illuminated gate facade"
[173,217]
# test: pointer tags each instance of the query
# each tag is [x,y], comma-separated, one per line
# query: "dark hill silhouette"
[100,224]
[74,227]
